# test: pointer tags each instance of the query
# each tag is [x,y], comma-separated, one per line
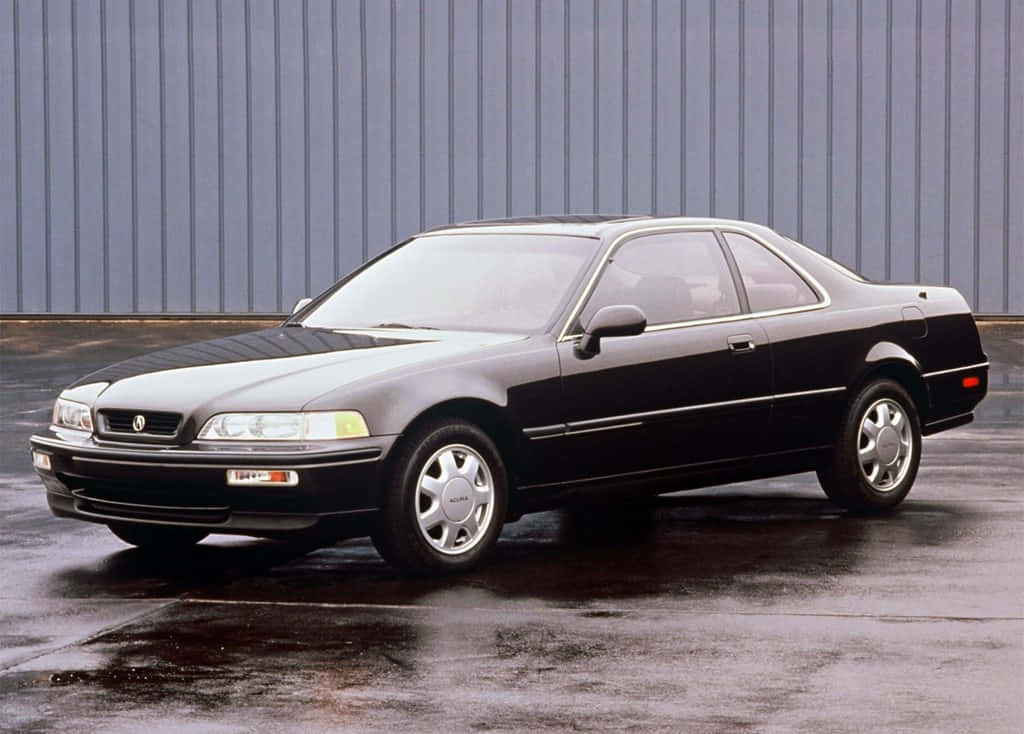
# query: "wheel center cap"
[457,499]
[888,443]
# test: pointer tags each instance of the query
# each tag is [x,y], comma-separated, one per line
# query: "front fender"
[406,400]
[522,383]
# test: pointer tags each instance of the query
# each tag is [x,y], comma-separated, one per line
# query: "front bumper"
[102,481]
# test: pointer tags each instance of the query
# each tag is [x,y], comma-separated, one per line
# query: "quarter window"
[672,277]
[770,283]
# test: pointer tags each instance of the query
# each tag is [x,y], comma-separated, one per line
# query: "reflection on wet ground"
[754,606]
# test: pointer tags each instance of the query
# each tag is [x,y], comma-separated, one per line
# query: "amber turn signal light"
[262,477]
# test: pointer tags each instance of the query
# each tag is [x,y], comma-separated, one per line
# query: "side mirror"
[301,304]
[609,321]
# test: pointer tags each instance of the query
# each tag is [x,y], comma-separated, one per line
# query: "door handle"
[741,343]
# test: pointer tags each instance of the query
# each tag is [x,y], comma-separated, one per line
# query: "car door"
[694,388]
[807,359]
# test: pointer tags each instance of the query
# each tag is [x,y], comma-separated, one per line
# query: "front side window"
[770,283]
[671,277]
[467,282]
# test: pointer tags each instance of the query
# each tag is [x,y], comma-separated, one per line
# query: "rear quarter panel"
[868,329]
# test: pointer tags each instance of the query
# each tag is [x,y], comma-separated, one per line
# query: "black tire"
[845,477]
[157,537]
[398,536]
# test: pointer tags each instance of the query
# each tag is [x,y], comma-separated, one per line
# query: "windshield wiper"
[394,325]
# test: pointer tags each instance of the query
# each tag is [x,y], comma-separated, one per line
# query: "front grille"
[157,423]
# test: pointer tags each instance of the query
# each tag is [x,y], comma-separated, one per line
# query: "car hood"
[274,369]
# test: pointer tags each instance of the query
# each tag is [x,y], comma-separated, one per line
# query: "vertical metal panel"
[901,231]
[9,229]
[177,160]
[377,183]
[321,147]
[815,95]
[1013,258]
[784,128]
[233,159]
[464,110]
[349,138]
[582,138]
[845,128]
[89,125]
[238,154]
[118,143]
[963,173]
[639,97]
[59,197]
[407,163]
[873,119]
[931,139]
[754,128]
[552,158]
[204,122]
[992,135]
[668,95]
[435,92]
[264,154]
[146,87]
[522,76]
[292,134]
[697,128]
[10,278]
[30,173]
[726,105]
[610,154]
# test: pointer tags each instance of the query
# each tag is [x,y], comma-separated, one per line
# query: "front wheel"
[157,537]
[445,503]
[875,460]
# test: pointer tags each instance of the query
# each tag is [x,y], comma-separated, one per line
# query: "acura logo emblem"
[139,423]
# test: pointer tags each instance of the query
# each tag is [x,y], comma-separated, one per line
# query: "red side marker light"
[972,381]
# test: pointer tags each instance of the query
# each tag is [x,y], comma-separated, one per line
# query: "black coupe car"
[481,371]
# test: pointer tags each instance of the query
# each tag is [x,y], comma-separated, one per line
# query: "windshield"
[470,282]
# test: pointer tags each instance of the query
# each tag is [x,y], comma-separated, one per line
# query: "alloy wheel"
[454,499]
[885,444]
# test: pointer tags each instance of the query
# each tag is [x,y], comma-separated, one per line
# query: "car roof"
[579,225]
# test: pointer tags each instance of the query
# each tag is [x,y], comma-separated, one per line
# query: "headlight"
[69,414]
[285,426]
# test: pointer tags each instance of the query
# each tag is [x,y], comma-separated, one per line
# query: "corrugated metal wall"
[234,155]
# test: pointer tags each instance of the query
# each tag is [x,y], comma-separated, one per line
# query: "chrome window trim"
[630,420]
[978,366]
[824,299]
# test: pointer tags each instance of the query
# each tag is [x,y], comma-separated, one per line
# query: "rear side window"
[672,277]
[770,283]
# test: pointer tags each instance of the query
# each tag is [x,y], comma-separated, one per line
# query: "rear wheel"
[157,537]
[445,504]
[875,460]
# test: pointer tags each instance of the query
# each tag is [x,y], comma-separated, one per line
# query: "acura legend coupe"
[481,371]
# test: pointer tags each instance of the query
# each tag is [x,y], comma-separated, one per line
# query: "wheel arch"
[490,417]
[888,360]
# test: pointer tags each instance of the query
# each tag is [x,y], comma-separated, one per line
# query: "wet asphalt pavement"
[752,607]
